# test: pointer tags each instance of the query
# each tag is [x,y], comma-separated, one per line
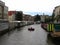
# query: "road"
[24,37]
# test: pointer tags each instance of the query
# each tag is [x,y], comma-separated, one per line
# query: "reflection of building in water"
[3,11]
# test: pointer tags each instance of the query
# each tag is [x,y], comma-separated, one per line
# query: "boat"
[31,29]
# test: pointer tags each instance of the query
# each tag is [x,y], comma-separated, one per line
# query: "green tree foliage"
[53,17]
[37,18]
[47,20]
[19,16]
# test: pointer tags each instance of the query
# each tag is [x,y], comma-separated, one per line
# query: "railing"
[57,27]
[53,27]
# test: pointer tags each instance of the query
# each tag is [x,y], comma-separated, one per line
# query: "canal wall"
[9,26]
[3,27]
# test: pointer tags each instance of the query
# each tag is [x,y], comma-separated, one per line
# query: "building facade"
[43,17]
[11,15]
[3,11]
[27,17]
[56,12]
[0,12]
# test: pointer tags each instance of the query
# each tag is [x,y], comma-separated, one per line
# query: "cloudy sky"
[33,6]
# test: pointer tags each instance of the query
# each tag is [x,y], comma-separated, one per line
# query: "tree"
[37,18]
[53,17]
[19,16]
[47,20]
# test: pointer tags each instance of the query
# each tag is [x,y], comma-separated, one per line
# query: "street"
[24,37]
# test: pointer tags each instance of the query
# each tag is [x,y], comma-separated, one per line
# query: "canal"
[22,36]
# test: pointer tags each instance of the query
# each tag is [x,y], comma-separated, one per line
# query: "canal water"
[22,36]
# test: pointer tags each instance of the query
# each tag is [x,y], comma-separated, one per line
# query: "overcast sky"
[29,6]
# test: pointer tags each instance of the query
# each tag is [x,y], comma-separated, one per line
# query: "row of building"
[10,15]
[26,17]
